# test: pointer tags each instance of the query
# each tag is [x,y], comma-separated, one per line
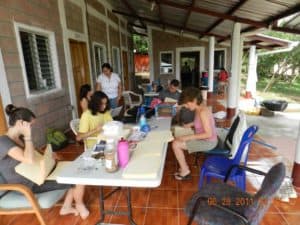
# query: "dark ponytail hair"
[84,90]
[18,113]
[190,94]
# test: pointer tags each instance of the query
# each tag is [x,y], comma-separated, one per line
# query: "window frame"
[101,45]
[172,59]
[225,58]
[119,60]
[54,58]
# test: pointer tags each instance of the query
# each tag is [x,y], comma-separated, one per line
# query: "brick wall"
[114,37]
[74,17]
[163,41]
[41,14]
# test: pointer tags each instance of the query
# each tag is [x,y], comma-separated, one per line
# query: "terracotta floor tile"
[273,219]
[183,197]
[138,216]
[162,217]
[24,219]
[163,199]
[168,183]
[292,219]
[191,184]
[293,206]
[183,218]
[139,197]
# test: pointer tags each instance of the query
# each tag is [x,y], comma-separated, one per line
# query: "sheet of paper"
[59,167]
[142,167]
[163,136]
[149,148]
[181,131]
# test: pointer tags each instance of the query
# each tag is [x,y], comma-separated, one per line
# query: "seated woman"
[92,120]
[205,136]
[85,96]
[16,146]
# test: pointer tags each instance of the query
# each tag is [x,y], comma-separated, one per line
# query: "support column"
[238,87]
[252,75]
[296,168]
[211,66]
[233,79]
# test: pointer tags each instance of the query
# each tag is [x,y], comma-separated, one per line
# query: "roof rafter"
[229,12]
[272,19]
[134,12]
[188,14]
[160,13]
[215,14]
[167,24]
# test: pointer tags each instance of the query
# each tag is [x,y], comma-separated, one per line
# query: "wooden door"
[3,125]
[125,70]
[80,67]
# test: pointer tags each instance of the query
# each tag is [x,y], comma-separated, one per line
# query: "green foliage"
[140,43]
[285,60]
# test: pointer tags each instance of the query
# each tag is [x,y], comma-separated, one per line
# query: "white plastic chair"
[129,101]
[74,125]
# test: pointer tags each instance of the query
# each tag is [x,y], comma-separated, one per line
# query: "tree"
[140,43]
[285,61]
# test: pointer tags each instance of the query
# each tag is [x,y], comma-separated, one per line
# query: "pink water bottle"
[123,153]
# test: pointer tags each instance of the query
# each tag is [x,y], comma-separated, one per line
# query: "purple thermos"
[123,153]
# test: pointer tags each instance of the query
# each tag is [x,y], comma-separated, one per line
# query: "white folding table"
[97,176]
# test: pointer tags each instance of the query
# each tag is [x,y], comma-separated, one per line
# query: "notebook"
[40,169]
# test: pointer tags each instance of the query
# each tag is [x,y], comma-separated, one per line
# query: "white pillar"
[211,64]
[252,75]
[238,87]
[296,168]
[233,79]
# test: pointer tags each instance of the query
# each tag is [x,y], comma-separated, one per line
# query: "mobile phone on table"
[98,151]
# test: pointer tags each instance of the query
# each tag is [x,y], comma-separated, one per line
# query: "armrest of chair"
[19,188]
[243,168]
[228,210]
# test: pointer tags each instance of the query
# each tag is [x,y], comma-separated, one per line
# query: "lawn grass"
[281,89]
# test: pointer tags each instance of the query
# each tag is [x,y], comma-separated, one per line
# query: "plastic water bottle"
[142,120]
[123,153]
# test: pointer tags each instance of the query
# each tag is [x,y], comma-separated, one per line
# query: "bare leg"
[178,148]
[78,193]
[67,207]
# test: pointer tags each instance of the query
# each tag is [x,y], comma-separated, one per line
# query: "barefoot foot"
[83,211]
[68,210]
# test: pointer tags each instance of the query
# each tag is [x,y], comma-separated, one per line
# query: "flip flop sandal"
[186,177]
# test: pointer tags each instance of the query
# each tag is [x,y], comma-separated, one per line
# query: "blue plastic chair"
[218,166]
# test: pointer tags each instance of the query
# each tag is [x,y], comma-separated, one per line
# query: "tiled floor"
[163,205]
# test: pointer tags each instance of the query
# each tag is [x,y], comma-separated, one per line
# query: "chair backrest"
[229,137]
[263,198]
[245,145]
[127,98]
[74,125]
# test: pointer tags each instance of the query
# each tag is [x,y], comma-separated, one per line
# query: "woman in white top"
[110,84]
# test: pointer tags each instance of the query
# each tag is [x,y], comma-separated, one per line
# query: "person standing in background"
[110,84]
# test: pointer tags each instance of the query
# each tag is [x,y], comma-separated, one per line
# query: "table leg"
[101,202]
[129,207]
[102,209]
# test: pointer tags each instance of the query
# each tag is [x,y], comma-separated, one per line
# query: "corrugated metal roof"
[175,12]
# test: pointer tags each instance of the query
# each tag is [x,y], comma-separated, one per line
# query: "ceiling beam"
[229,12]
[160,13]
[135,25]
[215,14]
[188,14]
[167,24]
[272,19]
[286,29]
[126,3]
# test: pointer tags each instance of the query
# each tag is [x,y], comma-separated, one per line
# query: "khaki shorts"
[200,145]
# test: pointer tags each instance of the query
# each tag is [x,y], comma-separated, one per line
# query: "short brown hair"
[189,94]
